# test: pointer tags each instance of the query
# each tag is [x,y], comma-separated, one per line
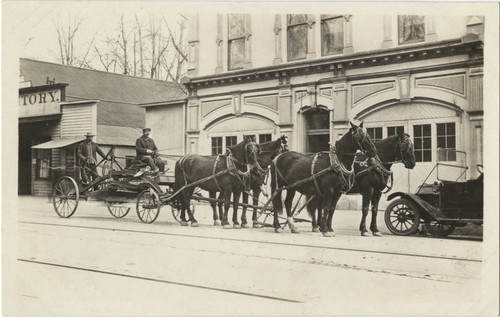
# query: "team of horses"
[355,164]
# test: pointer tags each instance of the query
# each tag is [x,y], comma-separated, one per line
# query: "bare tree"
[175,68]
[66,39]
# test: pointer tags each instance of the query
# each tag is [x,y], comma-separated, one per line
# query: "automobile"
[442,205]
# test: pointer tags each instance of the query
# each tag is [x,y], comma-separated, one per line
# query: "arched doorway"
[317,127]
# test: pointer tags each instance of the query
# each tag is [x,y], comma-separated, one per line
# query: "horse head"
[251,152]
[406,152]
[363,140]
[283,144]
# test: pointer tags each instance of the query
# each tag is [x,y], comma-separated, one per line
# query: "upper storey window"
[236,41]
[332,34]
[296,36]
[411,28]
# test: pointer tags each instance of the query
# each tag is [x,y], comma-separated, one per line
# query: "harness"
[243,177]
[377,166]
[336,166]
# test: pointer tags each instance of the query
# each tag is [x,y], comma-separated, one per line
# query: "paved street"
[93,264]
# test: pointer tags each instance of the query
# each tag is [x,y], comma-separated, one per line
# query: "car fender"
[425,207]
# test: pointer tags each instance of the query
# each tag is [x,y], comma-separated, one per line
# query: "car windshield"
[451,165]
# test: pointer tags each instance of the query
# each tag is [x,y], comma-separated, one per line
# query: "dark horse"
[267,153]
[372,176]
[224,173]
[323,175]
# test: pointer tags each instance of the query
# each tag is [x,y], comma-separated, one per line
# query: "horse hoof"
[246,226]
[278,230]
[295,230]
[194,224]
[184,223]
[236,226]
[365,234]
[227,227]
[377,234]
[217,223]
[255,225]
[327,234]
[315,230]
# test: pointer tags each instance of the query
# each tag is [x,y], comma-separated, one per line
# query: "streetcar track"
[258,242]
[161,281]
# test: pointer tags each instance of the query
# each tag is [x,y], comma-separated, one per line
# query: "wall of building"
[367,33]
[167,125]
[392,85]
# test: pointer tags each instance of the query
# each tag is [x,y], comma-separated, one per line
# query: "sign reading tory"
[40,101]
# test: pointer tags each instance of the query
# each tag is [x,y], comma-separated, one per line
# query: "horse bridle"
[359,137]
[283,148]
[405,139]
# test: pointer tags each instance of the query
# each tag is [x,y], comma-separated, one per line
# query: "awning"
[57,143]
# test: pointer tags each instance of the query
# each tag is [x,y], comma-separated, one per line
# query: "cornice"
[339,63]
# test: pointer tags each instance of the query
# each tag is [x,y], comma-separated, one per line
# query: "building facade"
[306,76]
[59,104]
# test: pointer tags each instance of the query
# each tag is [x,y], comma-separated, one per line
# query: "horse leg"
[326,206]
[375,200]
[236,202]
[311,210]
[367,196]
[319,208]
[220,205]
[227,200]
[183,208]
[334,199]
[256,193]
[213,204]
[187,202]
[289,213]
[244,223]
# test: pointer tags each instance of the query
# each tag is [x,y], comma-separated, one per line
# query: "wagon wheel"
[148,206]
[439,229]
[175,206]
[118,211]
[65,196]
[402,217]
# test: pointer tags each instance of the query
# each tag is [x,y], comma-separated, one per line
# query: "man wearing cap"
[146,151]
[87,154]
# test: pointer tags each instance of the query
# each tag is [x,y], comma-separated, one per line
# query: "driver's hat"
[146,129]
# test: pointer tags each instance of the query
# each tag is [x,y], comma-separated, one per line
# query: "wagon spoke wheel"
[402,217]
[65,196]
[176,210]
[439,229]
[148,206]
[118,211]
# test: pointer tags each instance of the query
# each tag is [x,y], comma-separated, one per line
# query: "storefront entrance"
[32,167]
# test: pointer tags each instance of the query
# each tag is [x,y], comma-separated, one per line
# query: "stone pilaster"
[311,37]
[248,42]
[277,39]
[193,45]
[387,43]
[219,41]
[430,35]
[348,48]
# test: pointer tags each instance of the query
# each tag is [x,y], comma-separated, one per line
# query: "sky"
[31,23]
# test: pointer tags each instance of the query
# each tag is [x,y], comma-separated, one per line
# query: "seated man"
[147,152]
[87,154]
